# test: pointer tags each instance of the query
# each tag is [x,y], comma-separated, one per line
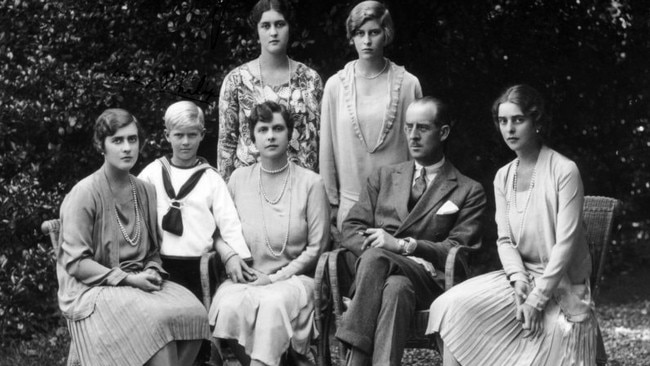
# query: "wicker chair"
[335,273]
[599,214]
[209,263]
[334,276]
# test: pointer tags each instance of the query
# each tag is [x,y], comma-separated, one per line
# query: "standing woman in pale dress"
[119,308]
[275,77]
[362,115]
[538,309]
[285,221]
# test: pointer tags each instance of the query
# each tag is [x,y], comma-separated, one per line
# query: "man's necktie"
[418,189]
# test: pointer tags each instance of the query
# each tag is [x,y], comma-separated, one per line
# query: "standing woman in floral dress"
[273,76]
[363,110]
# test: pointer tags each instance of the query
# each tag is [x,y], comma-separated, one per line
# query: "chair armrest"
[209,262]
[457,253]
[322,293]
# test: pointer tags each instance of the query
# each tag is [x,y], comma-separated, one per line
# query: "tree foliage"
[63,62]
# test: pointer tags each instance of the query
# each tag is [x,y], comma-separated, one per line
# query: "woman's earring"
[537,130]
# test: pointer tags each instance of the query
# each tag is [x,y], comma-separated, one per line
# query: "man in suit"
[407,219]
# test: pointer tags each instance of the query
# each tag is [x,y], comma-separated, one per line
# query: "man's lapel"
[433,197]
[402,179]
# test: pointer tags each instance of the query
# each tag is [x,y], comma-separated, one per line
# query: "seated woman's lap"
[133,325]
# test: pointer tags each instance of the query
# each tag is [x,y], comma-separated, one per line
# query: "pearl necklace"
[259,69]
[284,186]
[135,240]
[513,197]
[276,171]
[266,233]
[370,77]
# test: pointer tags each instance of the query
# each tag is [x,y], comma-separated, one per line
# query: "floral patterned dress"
[242,89]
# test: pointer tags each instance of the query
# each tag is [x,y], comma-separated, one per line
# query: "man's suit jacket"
[383,204]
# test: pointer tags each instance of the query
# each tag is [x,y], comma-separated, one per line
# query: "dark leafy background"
[63,62]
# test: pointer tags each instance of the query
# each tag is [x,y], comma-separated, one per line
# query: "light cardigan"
[554,228]
[345,161]
[89,244]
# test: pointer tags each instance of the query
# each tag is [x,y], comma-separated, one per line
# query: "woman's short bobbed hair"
[370,10]
[281,6]
[263,112]
[528,99]
[109,122]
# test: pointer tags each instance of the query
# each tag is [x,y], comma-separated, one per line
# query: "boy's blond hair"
[184,114]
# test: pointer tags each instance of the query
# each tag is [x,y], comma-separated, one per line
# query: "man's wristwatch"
[402,245]
[407,246]
[410,246]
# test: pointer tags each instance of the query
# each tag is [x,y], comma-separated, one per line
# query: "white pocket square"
[447,209]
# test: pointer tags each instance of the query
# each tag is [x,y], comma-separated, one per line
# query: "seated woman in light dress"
[119,308]
[363,109]
[285,220]
[538,309]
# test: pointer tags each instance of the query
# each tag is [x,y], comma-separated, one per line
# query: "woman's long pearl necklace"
[262,194]
[513,198]
[284,186]
[135,240]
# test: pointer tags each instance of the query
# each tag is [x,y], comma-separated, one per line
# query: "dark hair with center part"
[529,100]
[281,6]
[263,112]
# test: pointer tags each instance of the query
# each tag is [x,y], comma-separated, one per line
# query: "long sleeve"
[78,219]
[327,159]
[418,90]
[568,228]
[362,215]
[511,260]
[152,259]
[318,224]
[228,126]
[227,219]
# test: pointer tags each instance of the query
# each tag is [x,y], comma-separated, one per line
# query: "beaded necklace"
[284,186]
[259,69]
[266,233]
[135,240]
[276,171]
[513,197]
[370,77]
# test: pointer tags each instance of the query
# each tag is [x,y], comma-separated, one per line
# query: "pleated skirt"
[128,325]
[266,320]
[477,322]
